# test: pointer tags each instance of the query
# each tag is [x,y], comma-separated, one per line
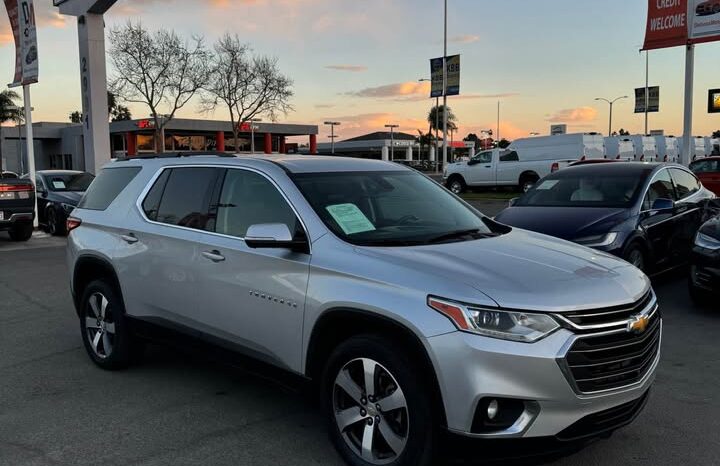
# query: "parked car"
[711,7]
[708,171]
[523,163]
[59,192]
[411,310]
[646,213]
[17,207]
[705,263]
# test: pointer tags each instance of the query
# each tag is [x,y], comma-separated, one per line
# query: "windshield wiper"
[475,233]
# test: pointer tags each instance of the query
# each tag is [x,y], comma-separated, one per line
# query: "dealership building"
[60,145]
[384,145]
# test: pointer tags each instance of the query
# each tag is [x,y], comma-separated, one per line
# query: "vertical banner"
[653,99]
[667,24]
[22,21]
[453,76]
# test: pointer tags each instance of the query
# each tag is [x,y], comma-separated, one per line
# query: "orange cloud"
[6,37]
[406,89]
[574,115]
[351,68]
[465,39]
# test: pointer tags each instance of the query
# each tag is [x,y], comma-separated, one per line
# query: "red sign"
[245,127]
[146,124]
[667,24]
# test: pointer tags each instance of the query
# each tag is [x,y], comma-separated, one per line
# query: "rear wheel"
[527,181]
[457,185]
[377,406]
[104,327]
[21,231]
[54,226]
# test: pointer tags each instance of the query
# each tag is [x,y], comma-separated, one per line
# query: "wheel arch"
[528,174]
[89,268]
[337,325]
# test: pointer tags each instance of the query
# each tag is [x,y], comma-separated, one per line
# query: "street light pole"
[252,134]
[445,83]
[332,136]
[437,124]
[392,141]
[611,102]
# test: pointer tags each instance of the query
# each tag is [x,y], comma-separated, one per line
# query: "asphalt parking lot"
[57,408]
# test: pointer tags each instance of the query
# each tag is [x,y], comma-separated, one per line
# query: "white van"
[712,146]
[668,149]
[619,148]
[523,163]
[645,148]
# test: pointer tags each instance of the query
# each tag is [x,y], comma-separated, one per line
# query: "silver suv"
[412,311]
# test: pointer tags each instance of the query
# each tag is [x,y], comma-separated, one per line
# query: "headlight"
[67,207]
[598,240]
[523,327]
[707,242]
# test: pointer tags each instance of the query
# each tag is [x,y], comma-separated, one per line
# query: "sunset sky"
[358,61]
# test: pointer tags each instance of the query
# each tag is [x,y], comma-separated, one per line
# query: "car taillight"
[14,188]
[71,223]
[555,167]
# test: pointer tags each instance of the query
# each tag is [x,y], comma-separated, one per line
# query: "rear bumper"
[10,218]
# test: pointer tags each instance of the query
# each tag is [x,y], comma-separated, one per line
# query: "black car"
[705,259]
[59,192]
[646,213]
[17,206]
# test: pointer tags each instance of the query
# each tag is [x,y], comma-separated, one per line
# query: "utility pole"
[332,136]
[445,83]
[647,89]
[689,84]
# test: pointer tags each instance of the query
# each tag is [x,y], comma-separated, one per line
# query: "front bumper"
[705,270]
[471,368]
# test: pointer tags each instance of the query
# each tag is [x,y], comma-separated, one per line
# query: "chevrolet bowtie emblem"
[638,324]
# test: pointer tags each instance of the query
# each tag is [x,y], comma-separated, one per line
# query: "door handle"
[214,255]
[129,238]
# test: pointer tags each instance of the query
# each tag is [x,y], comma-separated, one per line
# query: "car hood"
[526,270]
[68,197]
[564,222]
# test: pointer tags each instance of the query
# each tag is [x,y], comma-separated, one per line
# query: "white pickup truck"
[523,163]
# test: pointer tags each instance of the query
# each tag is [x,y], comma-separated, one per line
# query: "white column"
[409,153]
[93,78]
[385,153]
[432,153]
[688,141]
[30,142]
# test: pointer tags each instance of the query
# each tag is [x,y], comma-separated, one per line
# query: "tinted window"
[152,200]
[186,198]
[685,183]
[510,157]
[107,186]
[704,166]
[250,199]
[583,188]
[77,182]
[660,188]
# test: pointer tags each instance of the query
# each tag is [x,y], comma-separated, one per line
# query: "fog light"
[492,409]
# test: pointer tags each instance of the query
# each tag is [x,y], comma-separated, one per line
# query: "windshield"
[69,182]
[391,209]
[572,189]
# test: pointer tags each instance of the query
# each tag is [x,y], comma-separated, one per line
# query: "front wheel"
[636,256]
[457,185]
[55,227]
[377,405]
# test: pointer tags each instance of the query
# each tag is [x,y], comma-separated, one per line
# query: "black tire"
[456,184]
[114,350]
[635,254]
[527,181]
[21,231]
[55,226]
[417,426]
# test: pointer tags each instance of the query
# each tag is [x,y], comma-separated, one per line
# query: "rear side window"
[152,201]
[685,183]
[660,188]
[107,186]
[186,198]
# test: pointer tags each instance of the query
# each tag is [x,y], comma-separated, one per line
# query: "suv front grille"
[615,357]
[607,317]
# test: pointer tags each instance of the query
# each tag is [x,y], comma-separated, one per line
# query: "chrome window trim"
[672,180]
[143,194]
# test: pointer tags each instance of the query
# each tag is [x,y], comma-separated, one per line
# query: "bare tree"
[157,69]
[247,85]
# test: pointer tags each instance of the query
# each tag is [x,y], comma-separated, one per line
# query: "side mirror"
[662,204]
[273,236]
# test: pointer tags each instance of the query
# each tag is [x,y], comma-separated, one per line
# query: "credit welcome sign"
[674,23]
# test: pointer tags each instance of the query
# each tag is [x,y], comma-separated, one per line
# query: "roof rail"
[170,155]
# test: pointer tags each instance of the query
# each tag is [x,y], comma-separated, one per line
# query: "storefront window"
[145,143]
[181,143]
[197,143]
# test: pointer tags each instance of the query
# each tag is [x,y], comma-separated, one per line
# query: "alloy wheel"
[456,187]
[371,411]
[636,258]
[99,325]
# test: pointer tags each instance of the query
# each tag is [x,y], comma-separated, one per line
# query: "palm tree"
[435,119]
[9,110]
